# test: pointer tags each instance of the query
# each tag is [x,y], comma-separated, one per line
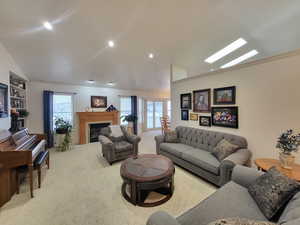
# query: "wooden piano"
[19,149]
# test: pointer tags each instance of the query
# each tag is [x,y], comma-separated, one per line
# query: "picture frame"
[186,101]
[225,117]
[205,121]
[194,116]
[202,101]
[225,95]
[184,114]
[98,101]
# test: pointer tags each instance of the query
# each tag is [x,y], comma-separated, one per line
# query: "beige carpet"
[82,189]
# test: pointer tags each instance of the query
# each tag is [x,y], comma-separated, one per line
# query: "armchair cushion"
[223,149]
[122,146]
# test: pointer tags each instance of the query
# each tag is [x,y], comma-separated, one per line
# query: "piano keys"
[19,149]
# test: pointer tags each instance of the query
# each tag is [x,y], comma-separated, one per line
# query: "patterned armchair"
[118,148]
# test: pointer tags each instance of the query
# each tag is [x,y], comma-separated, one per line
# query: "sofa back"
[205,139]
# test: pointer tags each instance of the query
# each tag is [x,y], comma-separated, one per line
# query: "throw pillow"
[239,221]
[116,133]
[272,190]
[223,149]
[171,137]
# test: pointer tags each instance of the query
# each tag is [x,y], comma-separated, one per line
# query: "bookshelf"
[18,99]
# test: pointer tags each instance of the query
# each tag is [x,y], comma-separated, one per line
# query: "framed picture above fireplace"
[3,100]
[98,101]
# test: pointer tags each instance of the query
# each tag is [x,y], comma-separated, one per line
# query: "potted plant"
[62,126]
[23,113]
[287,143]
[130,119]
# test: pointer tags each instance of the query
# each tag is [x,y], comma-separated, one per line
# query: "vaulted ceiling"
[177,32]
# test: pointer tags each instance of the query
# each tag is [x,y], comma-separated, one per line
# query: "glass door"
[154,112]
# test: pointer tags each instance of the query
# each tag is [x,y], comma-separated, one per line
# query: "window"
[169,108]
[63,107]
[125,107]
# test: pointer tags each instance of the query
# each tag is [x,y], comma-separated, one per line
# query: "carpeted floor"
[81,188]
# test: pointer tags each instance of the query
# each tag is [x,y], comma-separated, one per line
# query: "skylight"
[240,59]
[227,50]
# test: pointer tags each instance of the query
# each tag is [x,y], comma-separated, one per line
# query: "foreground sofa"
[231,200]
[193,153]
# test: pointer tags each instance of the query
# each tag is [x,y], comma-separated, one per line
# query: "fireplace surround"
[87,118]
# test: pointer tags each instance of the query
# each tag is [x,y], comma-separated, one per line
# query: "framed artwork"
[201,101]
[225,117]
[194,116]
[225,95]
[205,121]
[184,114]
[186,101]
[98,101]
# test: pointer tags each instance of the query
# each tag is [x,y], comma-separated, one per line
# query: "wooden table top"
[266,164]
[147,167]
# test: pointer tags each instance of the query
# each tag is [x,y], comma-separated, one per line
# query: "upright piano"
[19,149]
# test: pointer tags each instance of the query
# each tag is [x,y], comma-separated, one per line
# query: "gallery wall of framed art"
[223,112]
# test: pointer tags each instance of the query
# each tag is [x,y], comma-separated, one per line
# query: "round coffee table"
[144,174]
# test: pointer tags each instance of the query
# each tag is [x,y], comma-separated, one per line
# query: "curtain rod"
[68,93]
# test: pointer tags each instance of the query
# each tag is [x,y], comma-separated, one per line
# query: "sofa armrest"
[133,139]
[240,157]
[244,176]
[162,218]
[105,141]
[159,139]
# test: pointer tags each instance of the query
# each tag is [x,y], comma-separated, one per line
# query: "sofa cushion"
[223,149]
[232,200]
[122,146]
[202,159]
[240,221]
[272,191]
[171,137]
[291,211]
[175,148]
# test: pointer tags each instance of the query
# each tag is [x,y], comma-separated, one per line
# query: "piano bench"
[38,162]
[37,165]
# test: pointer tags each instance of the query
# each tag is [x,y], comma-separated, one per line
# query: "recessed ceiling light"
[240,59]
[151,56]
[48,25]
[111,44]
[111,84]
[90,81]
[227,50]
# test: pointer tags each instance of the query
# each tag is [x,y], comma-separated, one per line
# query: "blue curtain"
[134,112]
[48,117]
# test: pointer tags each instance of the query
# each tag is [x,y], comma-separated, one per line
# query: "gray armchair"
[118,148]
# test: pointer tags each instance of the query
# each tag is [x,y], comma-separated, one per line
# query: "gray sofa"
[194,153]
[231,200]
[115,149]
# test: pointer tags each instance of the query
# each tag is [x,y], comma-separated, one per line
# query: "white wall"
[268,96]
[7,64]
[81,100]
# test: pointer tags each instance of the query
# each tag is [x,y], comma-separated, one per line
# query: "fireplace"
[95,130]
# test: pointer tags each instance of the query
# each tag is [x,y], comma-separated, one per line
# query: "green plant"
[23,112]
[66,143]
[288,142]
[129,118]
[62,126]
